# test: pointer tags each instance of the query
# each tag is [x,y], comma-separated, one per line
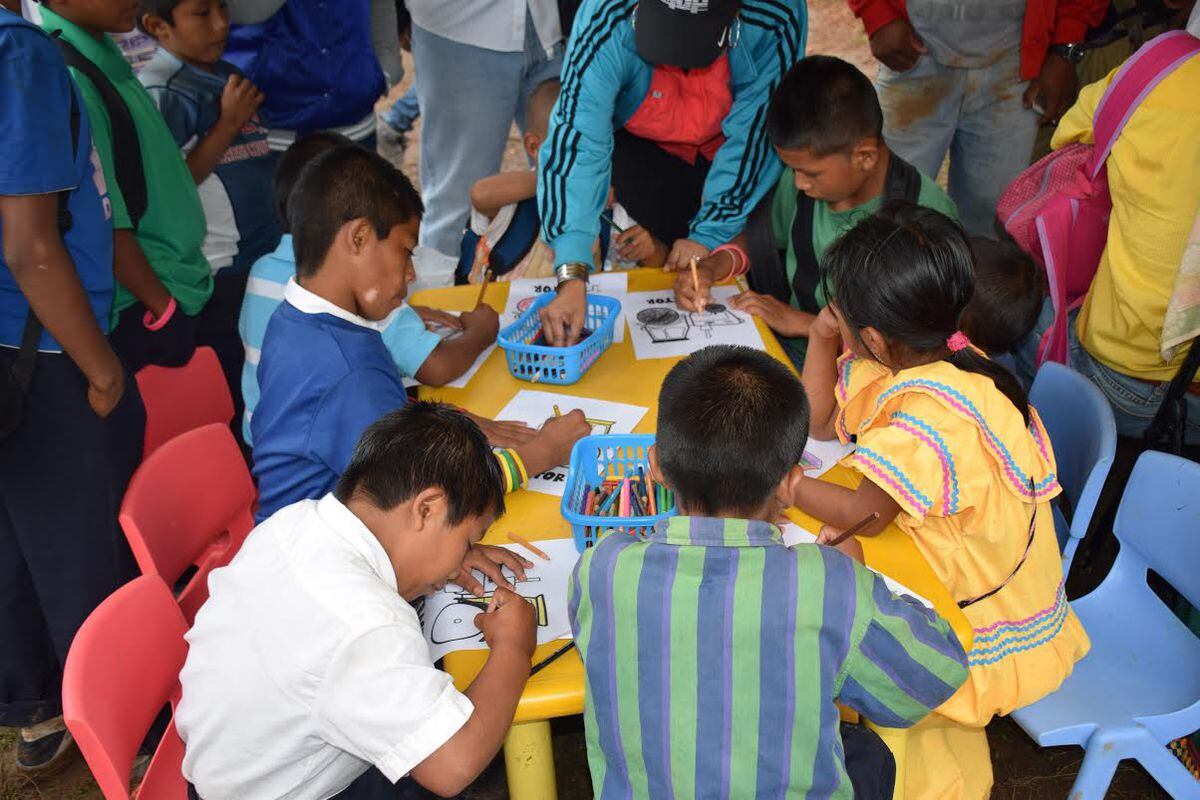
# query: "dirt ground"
[1023,770]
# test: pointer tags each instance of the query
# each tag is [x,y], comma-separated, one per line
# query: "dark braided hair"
[907,272]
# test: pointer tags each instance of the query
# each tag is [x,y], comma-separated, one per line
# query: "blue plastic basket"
[559,365]
[593,460]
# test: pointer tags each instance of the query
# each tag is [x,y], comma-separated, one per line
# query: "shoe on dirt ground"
[45,748]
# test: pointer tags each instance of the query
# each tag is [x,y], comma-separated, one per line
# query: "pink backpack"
[1057,210]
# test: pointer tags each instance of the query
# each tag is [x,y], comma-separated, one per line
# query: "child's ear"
[878,346]
[428,507]
[655,472]
[789,487]
[866,154]
[533,143]
[358,234]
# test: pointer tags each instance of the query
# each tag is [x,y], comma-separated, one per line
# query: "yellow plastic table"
[557,691]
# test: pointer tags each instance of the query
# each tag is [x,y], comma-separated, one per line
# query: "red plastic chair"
[190,503]
[180,399]
[123,667]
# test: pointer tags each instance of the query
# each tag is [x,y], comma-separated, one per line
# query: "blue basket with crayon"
[609,487]
[531,359]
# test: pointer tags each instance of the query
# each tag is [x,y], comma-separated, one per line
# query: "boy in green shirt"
[163,278]
[827,127]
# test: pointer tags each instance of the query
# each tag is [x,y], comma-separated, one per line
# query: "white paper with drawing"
[793,535]
[448,615]
[534,408]
[523,291]
[821,456]
[660,329]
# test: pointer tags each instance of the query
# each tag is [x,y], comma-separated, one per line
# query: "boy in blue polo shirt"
[71,420]
[325,372]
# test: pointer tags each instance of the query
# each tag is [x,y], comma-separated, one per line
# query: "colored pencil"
[853,529]
[557,412]
[487,276]
[550,659]
[512,537]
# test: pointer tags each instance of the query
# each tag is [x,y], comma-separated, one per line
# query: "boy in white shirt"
[307,673]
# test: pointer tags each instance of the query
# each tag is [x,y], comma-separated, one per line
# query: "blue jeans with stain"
[403,113]
[974,114]
[1134,402]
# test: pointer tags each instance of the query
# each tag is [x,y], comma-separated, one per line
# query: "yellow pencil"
[696,283]
[557,412]
[487,276]
[512,537]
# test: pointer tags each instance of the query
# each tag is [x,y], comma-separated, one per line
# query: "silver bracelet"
[575,270]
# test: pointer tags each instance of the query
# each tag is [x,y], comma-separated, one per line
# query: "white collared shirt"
[306,666]
[491,24]
[303,300]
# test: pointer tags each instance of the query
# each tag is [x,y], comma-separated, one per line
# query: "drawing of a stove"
[670,325]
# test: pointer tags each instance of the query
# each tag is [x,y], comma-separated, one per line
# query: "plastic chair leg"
[529,761]
[1166,769]
[1096,773]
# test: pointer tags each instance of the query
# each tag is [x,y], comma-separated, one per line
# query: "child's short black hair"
[825,105]
[295,159]
[420,446]
[1008,296]
[341,185]
[159,8]
[731,422]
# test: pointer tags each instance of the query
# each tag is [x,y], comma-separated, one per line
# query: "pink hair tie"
[958,341]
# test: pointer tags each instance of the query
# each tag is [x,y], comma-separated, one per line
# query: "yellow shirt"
[1154,179]
[972,483]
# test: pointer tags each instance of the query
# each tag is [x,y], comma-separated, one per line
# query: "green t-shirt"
[827,226]
[172,230]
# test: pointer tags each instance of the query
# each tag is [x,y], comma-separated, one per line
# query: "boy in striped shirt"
[715,655]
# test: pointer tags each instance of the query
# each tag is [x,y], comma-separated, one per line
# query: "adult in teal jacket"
[664,100]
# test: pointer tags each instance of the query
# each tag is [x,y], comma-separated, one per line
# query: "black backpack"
[768,272]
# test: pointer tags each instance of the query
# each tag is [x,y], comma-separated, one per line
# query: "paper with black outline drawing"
[534,408]
[793,535]
[448,615]
[821,456]
[660,329]
[523,291]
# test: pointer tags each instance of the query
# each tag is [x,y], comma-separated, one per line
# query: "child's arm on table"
[820,374]
[509,630]
[454,356]
[841,507]
[779,316]
[239,101]
[494,192]
[532,452]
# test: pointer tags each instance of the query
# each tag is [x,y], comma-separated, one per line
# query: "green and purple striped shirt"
[714,656]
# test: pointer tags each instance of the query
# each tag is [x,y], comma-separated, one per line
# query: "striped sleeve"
[905,662]
[575,162]
[746,167]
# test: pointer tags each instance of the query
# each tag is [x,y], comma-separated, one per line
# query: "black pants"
[63,473]
[371,785]
[869,763]
[660,191]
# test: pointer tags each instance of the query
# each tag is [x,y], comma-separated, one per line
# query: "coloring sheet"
[523,291]
[660,329]
[534,408]
[820,456]
[448,616]
[793,535]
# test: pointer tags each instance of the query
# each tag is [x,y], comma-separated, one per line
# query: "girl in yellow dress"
[950,450]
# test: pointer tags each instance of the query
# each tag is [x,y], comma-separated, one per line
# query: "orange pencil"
[512,537]
[696,283]
[487,276]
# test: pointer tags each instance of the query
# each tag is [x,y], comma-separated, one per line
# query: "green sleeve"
[933,196]
[783,208]
[904,659]
[102,140]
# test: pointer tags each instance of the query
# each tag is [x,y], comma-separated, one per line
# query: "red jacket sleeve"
[1073,18]
[877,13]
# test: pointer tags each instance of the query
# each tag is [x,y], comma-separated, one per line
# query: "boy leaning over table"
[715,655]
[307,674]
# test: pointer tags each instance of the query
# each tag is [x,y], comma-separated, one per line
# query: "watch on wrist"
[1071,51]
[575,270]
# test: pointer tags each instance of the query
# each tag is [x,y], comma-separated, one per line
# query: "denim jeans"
[975,114]
[1134,402]
[404,112]
[469,98]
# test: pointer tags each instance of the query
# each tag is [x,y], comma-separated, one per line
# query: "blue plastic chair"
[1083,434]
[1139,687]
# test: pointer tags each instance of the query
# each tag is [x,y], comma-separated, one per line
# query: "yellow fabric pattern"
[1154,179]
[956,456]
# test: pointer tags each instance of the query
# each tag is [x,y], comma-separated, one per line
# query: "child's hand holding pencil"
[693,286]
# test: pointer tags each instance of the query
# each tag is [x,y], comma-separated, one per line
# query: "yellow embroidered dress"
[955,454]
